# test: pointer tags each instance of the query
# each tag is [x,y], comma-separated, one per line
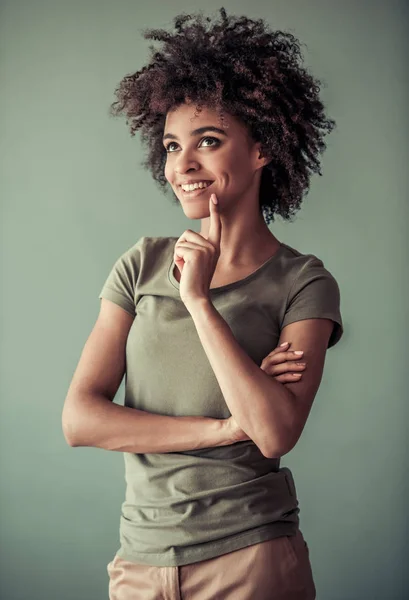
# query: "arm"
[265,409]
[90,418]
[103,424]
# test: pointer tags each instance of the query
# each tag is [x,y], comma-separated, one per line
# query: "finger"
[281,348]
[183,248]
[278,369]
[192,236]
[215,229]
[192,245]
[288,377]
[281,357]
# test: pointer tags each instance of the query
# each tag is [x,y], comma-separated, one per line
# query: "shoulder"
[297,260]
[312,292]
[158,242]
[300,266]
[155,248]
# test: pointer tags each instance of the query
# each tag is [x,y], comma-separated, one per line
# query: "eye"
[168,146]
[213,139]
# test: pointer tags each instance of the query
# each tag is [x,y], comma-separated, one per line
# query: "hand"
[196,258]
[281,364]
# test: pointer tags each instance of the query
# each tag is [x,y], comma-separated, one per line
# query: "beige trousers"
[277,569]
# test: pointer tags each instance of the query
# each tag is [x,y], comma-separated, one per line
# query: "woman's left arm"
[271,413]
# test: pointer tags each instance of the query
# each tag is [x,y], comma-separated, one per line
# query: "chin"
[196,212]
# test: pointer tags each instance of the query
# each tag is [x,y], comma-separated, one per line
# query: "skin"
[235,166]
[233,236]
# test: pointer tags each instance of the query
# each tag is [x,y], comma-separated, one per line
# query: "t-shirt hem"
[187,556]
[337,331]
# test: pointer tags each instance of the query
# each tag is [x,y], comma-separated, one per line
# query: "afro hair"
[239,66]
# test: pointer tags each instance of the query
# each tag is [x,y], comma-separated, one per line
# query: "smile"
[197,191]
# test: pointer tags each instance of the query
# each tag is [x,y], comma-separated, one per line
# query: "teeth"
[194,186]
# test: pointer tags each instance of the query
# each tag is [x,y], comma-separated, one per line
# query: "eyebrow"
[196,132]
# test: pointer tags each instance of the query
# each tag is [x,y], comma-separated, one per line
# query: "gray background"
[74,197]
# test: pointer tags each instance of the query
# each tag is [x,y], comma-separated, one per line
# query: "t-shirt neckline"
[233,284]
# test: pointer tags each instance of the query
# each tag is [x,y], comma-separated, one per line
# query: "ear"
[261,159]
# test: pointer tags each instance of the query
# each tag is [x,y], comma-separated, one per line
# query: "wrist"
[227,432]
[198,305]
[218,432]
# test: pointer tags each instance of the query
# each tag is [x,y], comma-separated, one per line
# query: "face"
[221,155]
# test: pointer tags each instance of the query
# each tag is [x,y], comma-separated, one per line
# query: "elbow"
[273,454]
[73,421]
[69,429]
[281,448]
[68,433]
[277,453]
[282,443]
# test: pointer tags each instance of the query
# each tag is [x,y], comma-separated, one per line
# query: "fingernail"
[285,344]
[298,352]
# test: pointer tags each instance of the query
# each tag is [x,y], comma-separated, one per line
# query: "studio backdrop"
[74,197]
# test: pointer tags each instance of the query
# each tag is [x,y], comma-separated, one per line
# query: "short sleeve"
[119,286]
[315,295]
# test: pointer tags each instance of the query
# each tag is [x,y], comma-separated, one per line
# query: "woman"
[234,126]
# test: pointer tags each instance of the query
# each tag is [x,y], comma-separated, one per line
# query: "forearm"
[95,421]
[261,406]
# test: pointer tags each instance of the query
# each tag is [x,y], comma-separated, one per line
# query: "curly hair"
[240,66]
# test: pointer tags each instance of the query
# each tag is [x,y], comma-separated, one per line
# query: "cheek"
[235,167]
[234,175]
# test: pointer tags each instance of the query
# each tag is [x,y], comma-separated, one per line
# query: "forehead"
[183,118]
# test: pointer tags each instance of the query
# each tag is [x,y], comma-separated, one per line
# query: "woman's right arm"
[91,418]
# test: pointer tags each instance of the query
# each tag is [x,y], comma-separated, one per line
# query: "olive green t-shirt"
[185,507]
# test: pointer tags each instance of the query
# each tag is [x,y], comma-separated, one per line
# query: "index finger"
[280,348]
[215,223]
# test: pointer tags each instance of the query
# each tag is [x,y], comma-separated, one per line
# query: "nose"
[185,163]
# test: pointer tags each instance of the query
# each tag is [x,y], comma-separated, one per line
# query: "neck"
[243,242]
